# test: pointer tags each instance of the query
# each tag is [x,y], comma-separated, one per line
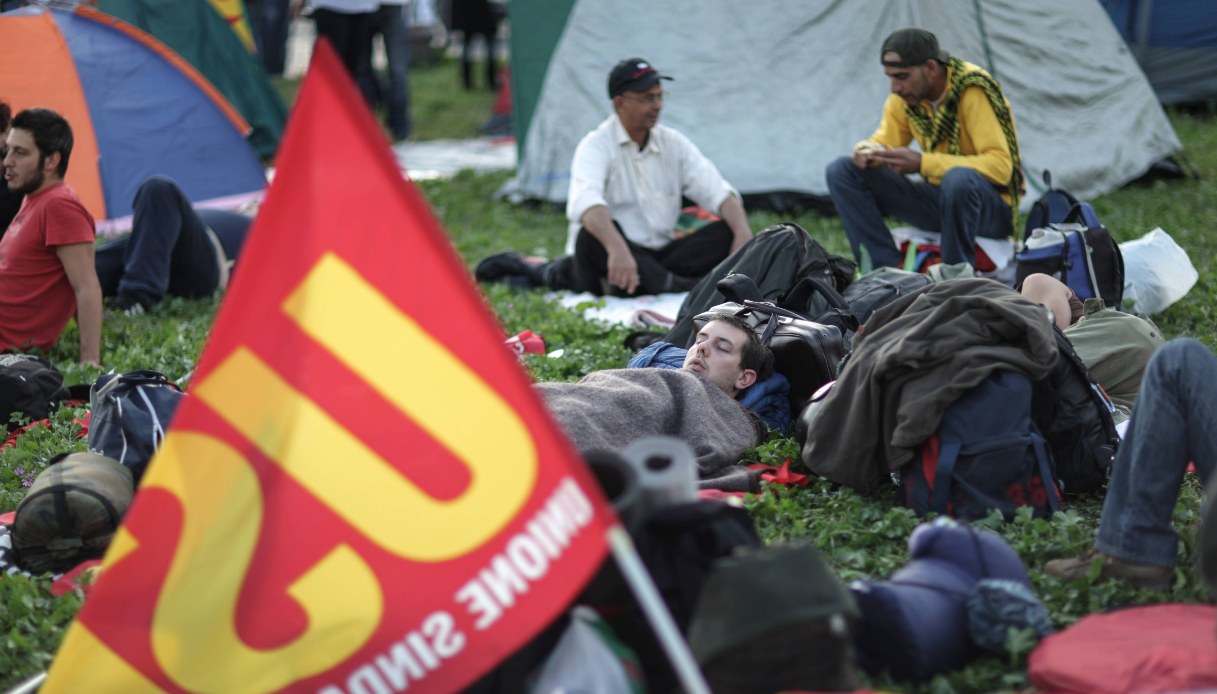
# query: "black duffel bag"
[805,352]
[130,416]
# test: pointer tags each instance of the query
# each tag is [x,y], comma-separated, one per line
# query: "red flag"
[362,493]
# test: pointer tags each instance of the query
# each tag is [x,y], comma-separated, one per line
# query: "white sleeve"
[588,177]
[701,182]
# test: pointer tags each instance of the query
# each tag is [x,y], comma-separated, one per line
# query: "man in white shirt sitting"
[628,178]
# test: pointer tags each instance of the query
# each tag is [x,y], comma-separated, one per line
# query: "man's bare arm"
[622,268]
[732,212]
[77,260]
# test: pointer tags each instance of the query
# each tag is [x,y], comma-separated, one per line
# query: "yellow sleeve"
[894,130]
[982,144]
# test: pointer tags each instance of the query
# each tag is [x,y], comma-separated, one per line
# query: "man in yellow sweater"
[967,156]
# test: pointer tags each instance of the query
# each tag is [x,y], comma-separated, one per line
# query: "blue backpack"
[987,453]
[1052,207]
[1079,252]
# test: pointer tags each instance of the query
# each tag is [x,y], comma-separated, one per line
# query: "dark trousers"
[350,35]
[168,250]
[270,20]
[391,24]
[964,206]
[674,268]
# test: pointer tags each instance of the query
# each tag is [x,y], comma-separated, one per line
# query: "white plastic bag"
[583,661]
[1157,272]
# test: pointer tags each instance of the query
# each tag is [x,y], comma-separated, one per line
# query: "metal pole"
[635,573]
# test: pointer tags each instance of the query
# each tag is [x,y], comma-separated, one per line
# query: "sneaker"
[129,304]
[1158,578]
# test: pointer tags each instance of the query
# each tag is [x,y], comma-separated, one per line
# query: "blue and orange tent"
[136,108]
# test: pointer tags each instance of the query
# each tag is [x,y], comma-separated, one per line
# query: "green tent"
[200,35]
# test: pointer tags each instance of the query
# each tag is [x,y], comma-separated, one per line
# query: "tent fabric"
[136,108]
[1175,42]
[773,92]
[199,34]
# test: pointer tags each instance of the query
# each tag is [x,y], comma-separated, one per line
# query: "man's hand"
[863,151]
[623,270]
[901,160]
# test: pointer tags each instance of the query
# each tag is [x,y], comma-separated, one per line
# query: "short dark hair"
[6,116]
[51,134]
[756,355]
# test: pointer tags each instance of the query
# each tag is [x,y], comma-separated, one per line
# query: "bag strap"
[800,294]
[948,454]
[1045,463]
[1084,214]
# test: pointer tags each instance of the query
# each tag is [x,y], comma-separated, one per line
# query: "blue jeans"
[391,23]
[1175,420]
[964,205]
[168,251]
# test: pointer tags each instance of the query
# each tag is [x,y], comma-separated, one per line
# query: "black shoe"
[509,268]
[131,304]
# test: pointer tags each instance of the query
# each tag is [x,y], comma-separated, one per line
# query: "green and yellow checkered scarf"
[944,125]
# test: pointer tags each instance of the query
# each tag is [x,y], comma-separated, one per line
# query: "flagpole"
[622,546]
[30,685]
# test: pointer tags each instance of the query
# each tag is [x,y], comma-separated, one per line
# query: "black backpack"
[987,453]
[1075,416]
[1052,207]
[1079,252]
[130,416]
[880,287]
[29,385]
[776,259]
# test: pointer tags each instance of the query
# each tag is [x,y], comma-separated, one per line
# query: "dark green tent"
[200,35]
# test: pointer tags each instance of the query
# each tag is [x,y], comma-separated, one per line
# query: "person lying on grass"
[172,249]
[1115,346]
[696,403]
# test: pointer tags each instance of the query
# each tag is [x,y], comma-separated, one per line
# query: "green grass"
[862,537]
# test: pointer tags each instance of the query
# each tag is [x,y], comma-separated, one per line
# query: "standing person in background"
[46,257]
[393,26]
[347,25]
[476,18]
[270,21]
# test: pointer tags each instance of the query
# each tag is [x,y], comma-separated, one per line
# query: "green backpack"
[71,512]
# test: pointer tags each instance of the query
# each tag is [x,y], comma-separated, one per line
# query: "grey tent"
[773,91]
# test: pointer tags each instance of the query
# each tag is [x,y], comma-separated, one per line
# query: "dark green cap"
[914,46]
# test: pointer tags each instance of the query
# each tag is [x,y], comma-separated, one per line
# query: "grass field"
[861,537]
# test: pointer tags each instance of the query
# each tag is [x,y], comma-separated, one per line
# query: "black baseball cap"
[914,46]
[633,75]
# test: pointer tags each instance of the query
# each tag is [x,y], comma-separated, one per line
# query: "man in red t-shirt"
[46,256]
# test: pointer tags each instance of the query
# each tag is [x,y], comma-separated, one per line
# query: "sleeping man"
[696,403]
